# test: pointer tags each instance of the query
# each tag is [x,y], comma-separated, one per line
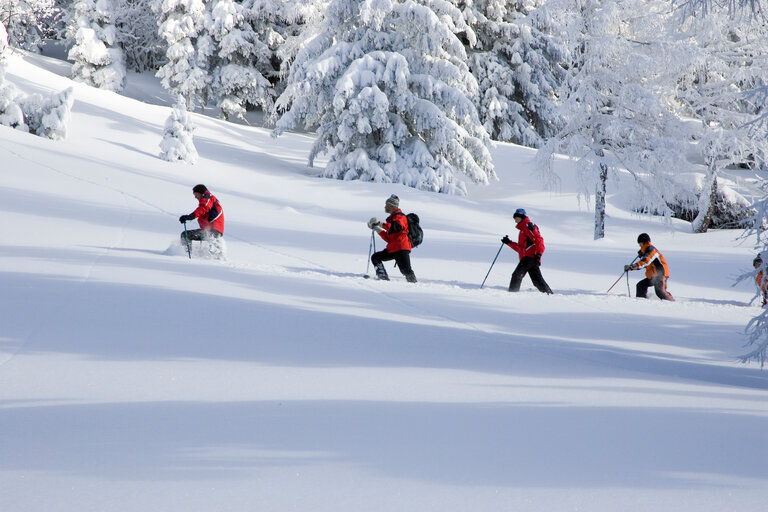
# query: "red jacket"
[209,213]
[529,240]
[395,232]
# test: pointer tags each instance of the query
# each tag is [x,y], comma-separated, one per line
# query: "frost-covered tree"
[178,143]
[614,108]
[386,85]
[25,21]
[48,116]
[136,25]
[189,53]
[518,61]
[10,111]
[720,85]
[98,58]
[236,82]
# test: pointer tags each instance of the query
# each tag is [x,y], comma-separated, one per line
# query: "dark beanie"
[200,189]
[643,238]
[520,213]
[393,200]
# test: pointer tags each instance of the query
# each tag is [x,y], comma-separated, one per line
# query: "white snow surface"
[135,379]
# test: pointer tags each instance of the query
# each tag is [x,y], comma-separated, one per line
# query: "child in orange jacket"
[656,269]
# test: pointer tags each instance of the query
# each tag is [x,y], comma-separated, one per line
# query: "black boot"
[411,277]
[381,272]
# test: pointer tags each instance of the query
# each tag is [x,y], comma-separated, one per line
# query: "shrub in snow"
[190,49]
[48,116]
[98,60]
[177,143]
[386,86]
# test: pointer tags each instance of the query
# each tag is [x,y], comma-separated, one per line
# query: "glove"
[373,222]
[378,227]
[185,218]
[506,240]
[627,268]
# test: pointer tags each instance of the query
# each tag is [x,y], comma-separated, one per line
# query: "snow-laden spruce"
[386,86]
[236,82]
[98,59]
[178,143]
[10,111]
[190,48]
[518,60]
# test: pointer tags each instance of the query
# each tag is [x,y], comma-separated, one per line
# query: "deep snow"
[135,379]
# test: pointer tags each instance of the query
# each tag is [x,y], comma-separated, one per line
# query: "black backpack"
[415,233]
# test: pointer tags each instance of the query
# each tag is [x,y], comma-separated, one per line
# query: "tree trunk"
[600,203]
[707,204]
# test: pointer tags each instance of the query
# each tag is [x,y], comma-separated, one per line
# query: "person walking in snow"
[529,247]
[656,269]
[209,215]
[760,278]
[394,231]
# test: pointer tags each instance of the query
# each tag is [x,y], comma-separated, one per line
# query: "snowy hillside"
[133,379]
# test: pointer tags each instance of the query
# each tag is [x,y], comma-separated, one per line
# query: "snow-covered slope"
[134,379]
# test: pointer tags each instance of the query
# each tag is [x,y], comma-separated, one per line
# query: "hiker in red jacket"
[209,215]
[529,247]
[394,231]
[656,269]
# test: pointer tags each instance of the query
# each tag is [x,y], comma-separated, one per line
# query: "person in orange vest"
[656,269]
[760,278]
[208,213]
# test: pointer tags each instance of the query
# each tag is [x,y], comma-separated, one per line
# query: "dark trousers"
[659,283]
[199,234]
[528,266]
[403,260]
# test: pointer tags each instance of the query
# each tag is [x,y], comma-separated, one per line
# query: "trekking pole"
[186,237]
[629,293]
[492,264]
[619,279]
[370,247]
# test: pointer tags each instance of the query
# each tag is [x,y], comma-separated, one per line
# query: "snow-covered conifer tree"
[386,85]
[98,59]
[614,109]
[236,81]
[137,34]
[10,112]
[177,143]
[49,116]
[518,61]
[190,49]
[281,29]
